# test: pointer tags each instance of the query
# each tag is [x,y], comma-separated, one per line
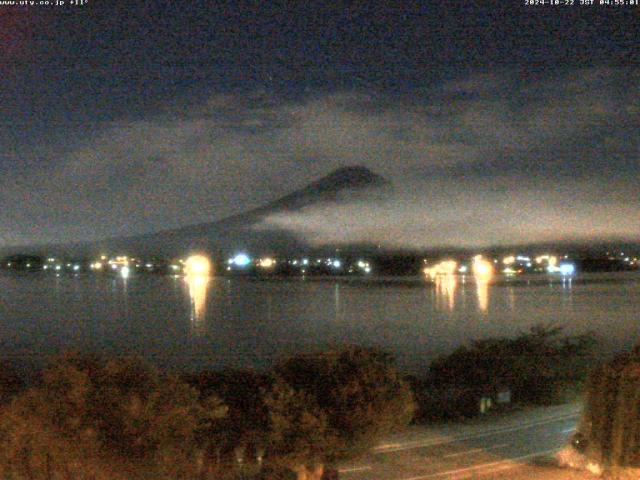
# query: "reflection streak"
[446,289]
[197,285]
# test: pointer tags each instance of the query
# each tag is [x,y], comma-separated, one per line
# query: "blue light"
[242,260]
[337,264]
[567,269]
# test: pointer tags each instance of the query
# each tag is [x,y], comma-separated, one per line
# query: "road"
[511,446]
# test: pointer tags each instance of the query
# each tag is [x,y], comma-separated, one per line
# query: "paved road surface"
[510,446]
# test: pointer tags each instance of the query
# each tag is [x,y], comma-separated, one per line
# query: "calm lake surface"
[235,322]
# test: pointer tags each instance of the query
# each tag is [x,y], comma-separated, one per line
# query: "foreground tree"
[611,422]
[247,416]
[299,433]
[10,382]
[88,412]
[535,366]
[334,405]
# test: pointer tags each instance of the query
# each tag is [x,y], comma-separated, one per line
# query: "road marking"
[476,450]
[355,469]
[396,447]
[503,464]
[559,432]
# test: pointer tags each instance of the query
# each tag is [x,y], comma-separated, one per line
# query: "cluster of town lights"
[243,261]
[446,267]
[484,269]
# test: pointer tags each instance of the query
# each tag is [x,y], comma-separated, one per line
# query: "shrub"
[123,409]
[10,382]
[611,422]
[247,416]
[299,433]
[536,366]
[335,405]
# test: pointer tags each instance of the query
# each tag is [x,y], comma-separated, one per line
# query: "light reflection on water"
[482,287]
[202,322]
[446,290]
[444,294]
[198,286]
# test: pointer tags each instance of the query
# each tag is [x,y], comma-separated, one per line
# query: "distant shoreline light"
[197,265]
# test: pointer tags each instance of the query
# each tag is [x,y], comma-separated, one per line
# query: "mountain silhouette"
[238,232]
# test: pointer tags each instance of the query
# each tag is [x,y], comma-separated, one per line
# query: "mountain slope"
[342,184]
[237,231]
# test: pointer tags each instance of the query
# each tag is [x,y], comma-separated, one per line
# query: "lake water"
[236,322]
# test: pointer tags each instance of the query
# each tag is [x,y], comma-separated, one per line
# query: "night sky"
[500,125]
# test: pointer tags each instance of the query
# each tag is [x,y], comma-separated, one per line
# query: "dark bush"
[536,366]
[333,405]
[611,423]
[10,382]
[123,409]
[247,416]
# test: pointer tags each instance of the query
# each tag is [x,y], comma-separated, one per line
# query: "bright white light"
[567,269]
[149,265]
[124,272]
[482,268]
[463,269]
[367,269]
[76,268]
[305,261]
[337,264]
[446,267]
[242,260]
[268,262]
[58,267]
[197,265]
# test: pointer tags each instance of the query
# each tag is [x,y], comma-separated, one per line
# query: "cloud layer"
[457,214]
[502,157]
